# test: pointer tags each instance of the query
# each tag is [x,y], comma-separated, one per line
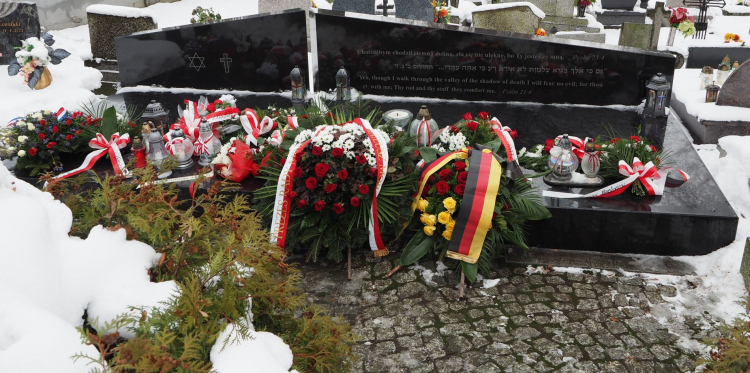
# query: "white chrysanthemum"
[348,144]
[442,149]
[372,161]
[326,147]
[349,155]
[435,146]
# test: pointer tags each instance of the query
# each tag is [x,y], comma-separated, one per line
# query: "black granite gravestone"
[712,56]
[398,58]
[254,53]
[18,21]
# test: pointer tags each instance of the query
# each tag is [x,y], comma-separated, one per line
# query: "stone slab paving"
[534,319]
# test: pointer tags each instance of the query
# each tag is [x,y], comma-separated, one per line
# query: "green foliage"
[730,352]
[201,15]
[217,252]
[109,122]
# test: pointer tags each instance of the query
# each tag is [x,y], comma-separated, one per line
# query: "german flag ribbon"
[475,216]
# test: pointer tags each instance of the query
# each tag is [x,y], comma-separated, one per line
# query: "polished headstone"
[254,53]
[712,56]
[399,58]
[736,89]
[18,21]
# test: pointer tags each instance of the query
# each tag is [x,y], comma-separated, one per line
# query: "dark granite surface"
[412,58]
[254,53]
[736,89]
[712,56]
[18,21]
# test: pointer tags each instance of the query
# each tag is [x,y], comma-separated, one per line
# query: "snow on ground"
[686,89]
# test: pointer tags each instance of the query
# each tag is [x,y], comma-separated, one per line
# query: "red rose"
[432,179]
[319,205]
[343,174]
[483,115]
[330,188]
[69,121]
[614,141]
[374,173]
[354,201]
[337,152]
[32,152]
[301,203]
[297,172]
[459,189]
[311,183]
[445,174]
[426,191]
[41,136]
[653,148]
[455,129]
[513,134]
[211,107]
[472,125]
[364,189]
[55,129]
[282,161]
[317,151]
[78,132]
[42,122]
[361,159]
[51,144]
[338,208]
[442,187]
[467,116]
[321,169]
[635,138]
[69,137]
[292,195]
[186,101]
[548,144]
[462,176]
[459,166]
[218,102]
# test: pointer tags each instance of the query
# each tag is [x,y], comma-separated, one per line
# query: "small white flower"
[442,149]
[30,126]
[348,144]
[37,116]
[349,155]
[46,112]
[372,161]
[21,153]
[22,138]
[326,148]
[292,112]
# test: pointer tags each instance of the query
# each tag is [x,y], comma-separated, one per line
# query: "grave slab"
[615,18]
[711,56]
[18,21]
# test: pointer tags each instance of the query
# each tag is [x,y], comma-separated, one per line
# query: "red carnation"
[467,116]
[483,115]
[330,188]
[614,141]
[211,107]
[343,174]
[455,129]
[317,151]
[364,189]
[51,144]
[69,121]
[462,177]
[319,205]
[361,159]
[513,134]
[338,208]
[218,102]
[337,152]
[311,182]
[186,101]
[459,166]
[321,169]
[442,187]
[354,201]
[548,144]
[32,152]
[68,137]
[42,122]
[653,148]
[78,132]
[41,136]
[459,189]
[55,129]
[292,195]
[301,203]
[472,125]
[297,172]
[635,138]
[445,174]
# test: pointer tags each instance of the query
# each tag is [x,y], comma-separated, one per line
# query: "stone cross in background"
[383,6]
[657,14]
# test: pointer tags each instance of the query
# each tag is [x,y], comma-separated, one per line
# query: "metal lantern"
[156,114]
[722,74]
[657,91]
[707,76]
[712,92]
[182,148]
[423,127]
[343,91]
[299,90]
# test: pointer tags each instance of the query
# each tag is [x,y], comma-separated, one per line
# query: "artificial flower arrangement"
[235,161]
[468,210]
[682,21]
[733,37]
[33,58]
[42,138]
[202,15]
[540,32]
[336,181]
[98,112]
[468,132]
[442,14]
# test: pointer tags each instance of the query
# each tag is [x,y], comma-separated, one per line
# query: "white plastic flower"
[21,153]
[30,127]
[22,138]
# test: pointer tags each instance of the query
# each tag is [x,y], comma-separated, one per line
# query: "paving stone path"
[551,321]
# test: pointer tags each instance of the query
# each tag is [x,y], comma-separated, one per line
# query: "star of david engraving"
[200,61]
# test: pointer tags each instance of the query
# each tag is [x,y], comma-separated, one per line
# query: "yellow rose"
[450,204]
[429,230]
[423,218]
[431,220]
[444,217]
[422,204]
[451,224]
[447,234]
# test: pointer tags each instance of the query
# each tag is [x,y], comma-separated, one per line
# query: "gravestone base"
[613,19]
[709,131]
[109,68]
[578,25]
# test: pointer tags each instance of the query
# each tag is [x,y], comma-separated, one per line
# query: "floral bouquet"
[235,161]
[468,209]
[40,139]
[32,60]
[733,37]
[682,21]
[442,14]
[540,32]
[469,131]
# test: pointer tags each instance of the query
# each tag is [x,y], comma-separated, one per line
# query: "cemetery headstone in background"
[254,53]
[408,9]
[356,6]
[636,35]
[105,26]
[18,21]
[711,56]
[420,10]
[736,89]
[410,59]
[518,18]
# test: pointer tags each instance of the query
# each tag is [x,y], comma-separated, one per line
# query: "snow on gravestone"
[18,21]
[736,89]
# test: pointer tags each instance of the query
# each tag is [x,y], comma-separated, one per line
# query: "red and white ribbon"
[423,133]
[503,133]
[276,138]
[293,122]
[103,146]
[170,145]
[255,127]
[190,121]
[653,181]
[201,145]
[380,147]
[578,145]
[222,115]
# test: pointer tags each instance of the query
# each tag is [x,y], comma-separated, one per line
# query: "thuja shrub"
[229,275]
[730,352]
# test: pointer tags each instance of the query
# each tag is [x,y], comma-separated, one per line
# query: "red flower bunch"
[678,16]
[548,144]
[450,181]
[635,139]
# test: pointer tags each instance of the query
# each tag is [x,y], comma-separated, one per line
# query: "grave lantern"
[156,150]
[423,127]
[712,92]
[343,91]
[707,76]
[182,148]
[299,90]
[722,74]
[657,91]
[156,114]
